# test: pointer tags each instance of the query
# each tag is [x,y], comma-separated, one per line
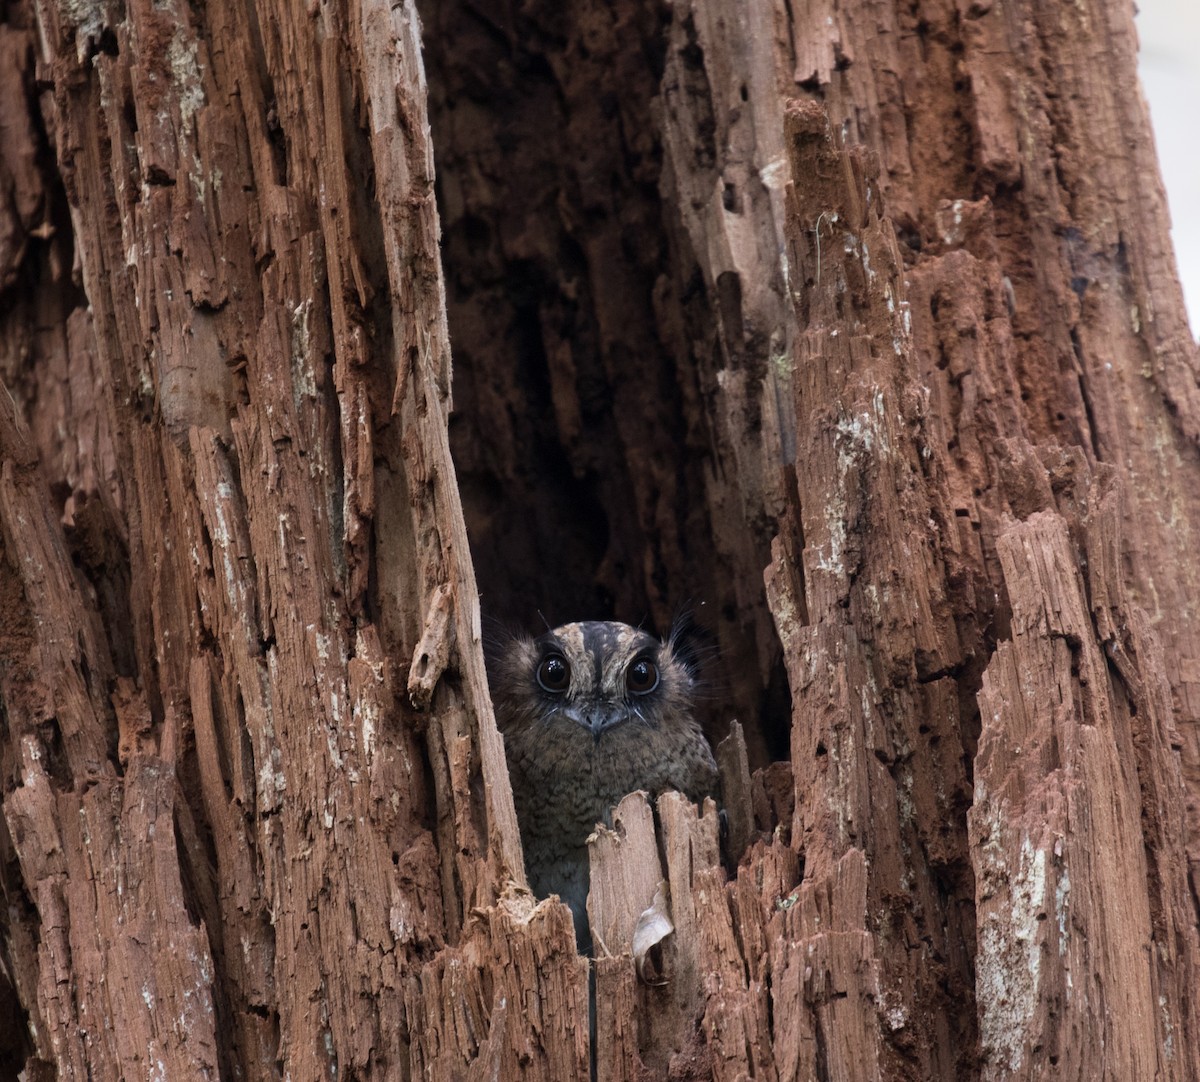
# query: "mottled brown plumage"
[591,712]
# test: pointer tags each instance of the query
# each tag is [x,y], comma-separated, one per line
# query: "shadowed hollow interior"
[586,356]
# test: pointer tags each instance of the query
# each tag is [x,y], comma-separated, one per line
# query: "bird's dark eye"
[554,674]
[642,676]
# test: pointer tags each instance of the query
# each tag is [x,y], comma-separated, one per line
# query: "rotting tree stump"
[855,324]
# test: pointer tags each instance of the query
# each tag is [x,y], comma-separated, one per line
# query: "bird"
[591,712]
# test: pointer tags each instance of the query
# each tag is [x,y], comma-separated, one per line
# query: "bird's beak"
[599,718]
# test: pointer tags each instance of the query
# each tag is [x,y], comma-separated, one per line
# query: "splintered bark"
[251,776]
[853,325]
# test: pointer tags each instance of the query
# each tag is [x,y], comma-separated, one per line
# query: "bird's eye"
[642,676]
[554,674]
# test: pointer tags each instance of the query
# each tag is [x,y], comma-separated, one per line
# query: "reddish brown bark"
[854,323]
[267,341]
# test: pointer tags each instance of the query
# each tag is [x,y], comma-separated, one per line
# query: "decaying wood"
[626,875]
[737,795]
[855,323]
[511,1003]
[266,343]
[626,882]
[1062,939]
[645,918]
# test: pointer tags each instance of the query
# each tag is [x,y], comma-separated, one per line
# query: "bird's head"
[595,675]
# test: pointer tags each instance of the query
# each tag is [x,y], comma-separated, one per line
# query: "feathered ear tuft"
[690,641]
[498,638]
[509,655]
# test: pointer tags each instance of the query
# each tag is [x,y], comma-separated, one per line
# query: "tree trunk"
[854,324]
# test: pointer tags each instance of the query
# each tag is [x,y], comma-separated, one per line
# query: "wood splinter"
[432,654]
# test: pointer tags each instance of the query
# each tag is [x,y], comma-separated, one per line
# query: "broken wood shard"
[645,923]
[432,654]
[625,875]
[733,764]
